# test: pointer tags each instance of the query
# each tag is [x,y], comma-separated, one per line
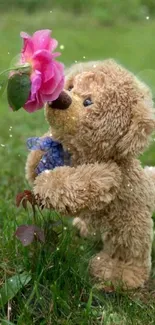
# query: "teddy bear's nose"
[62,102]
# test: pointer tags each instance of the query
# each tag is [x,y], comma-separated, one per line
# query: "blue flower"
[54,156]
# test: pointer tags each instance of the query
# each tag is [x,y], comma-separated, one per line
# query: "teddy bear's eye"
[70,88]
[87,102]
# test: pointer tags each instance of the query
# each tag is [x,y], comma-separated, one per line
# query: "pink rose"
[47,75]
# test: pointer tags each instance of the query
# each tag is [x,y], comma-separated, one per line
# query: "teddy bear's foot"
[81,226]
[125,275]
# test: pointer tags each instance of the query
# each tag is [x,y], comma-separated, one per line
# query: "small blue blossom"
[54,156]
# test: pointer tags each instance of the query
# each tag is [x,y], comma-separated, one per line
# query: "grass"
[60,290]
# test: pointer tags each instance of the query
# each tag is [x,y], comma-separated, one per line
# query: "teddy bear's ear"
[138,135]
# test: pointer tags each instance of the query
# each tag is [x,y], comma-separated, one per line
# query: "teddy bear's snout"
[62,102]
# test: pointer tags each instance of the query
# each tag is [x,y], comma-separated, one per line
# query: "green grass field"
[58,289]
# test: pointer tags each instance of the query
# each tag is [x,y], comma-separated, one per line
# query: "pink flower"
[47,75]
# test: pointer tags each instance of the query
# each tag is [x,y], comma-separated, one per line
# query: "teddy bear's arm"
[71,190]
[32,162]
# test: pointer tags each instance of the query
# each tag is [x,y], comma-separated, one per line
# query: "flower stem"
[25,67]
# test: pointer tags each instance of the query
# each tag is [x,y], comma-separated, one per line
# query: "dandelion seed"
[51,11]
[11,280]
[2,145]
[84,57]
[128,185]
[94,233]
[94,66]
[65,228]
[58,248]
[147,17]
[75,61]
[8,52]
[79,305]
[98,258]
[50,134]
[10,135]
[62,47]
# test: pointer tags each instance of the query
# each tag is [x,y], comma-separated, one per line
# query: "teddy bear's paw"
[101,267]
[81,226]
[134,277]
[120,274]
[43,192]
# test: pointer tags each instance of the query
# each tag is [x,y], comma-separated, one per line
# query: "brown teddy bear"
[104,118]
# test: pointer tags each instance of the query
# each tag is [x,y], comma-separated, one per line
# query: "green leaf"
[12,286]
[18,90]
[89,302]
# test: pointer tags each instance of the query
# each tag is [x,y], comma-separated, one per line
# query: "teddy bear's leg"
[128,275]
[126,259]
[81,226]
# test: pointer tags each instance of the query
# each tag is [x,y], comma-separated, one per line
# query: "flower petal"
[55,94]
[28,47]
[58,90]
[56,54]
[48,72]
[53,44]
[50,86]
[40,59]
[42,40]
[34,104]
[36,81]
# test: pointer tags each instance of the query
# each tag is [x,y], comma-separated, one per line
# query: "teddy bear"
[104,120]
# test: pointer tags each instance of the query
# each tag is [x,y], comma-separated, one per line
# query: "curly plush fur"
[105,188]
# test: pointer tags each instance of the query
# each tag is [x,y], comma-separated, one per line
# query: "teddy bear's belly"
[121,215]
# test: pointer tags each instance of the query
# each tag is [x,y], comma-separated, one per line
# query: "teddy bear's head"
[104,112]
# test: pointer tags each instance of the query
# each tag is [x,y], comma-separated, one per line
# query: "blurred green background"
[87,29]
